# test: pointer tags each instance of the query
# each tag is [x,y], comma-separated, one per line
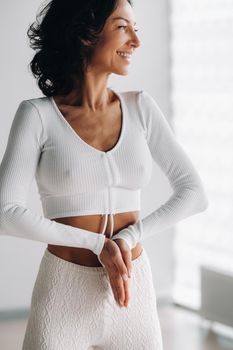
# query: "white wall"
[20,258]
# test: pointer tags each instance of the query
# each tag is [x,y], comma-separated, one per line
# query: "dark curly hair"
[58,36]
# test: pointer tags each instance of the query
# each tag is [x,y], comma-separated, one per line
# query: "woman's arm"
[189,196]
[17,170]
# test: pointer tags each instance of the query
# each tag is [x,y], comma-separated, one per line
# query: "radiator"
[216,295]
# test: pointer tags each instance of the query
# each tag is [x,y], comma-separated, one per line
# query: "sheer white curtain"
[202,102]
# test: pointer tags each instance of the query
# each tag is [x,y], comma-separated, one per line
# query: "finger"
[112,284]
[119,285]
[114,292]
[127,258]
[120,264]
[124,275]
[122,282]
[127,294]
[118,288]
[116,282]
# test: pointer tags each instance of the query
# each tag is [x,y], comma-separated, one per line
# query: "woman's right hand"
[116,268]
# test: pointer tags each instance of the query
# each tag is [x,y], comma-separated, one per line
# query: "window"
[202,102]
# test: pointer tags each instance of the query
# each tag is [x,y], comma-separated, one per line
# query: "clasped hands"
[116,257]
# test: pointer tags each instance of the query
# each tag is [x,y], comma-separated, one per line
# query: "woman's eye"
[122,27]
[136,30]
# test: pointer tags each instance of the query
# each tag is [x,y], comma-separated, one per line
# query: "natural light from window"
[202,103]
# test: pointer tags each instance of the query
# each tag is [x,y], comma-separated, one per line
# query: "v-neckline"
[115,147]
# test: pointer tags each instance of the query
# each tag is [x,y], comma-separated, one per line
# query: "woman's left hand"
[126,254]
[127,258]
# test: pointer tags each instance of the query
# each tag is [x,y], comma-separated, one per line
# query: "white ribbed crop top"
[74,178]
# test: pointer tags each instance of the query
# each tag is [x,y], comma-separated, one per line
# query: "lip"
[125,58]
[128,52]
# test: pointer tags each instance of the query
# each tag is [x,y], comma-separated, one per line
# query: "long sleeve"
[17,170]
[189,196]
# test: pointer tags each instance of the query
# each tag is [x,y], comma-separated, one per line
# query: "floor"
[181,330]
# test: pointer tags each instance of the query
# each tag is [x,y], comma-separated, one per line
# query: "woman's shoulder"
[37,101]
[139,96]
[38,105]
[129,93]
[36,109]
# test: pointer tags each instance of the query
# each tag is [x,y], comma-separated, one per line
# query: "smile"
[124,55]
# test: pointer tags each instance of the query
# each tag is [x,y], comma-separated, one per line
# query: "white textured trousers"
[73,308]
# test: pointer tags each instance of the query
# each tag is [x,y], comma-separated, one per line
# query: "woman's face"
[118,36]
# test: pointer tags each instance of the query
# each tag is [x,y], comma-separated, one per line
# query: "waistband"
[76,268]
[111,200]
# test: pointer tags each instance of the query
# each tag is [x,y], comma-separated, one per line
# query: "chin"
[121,71]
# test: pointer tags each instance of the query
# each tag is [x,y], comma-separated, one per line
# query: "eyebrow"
[125,19]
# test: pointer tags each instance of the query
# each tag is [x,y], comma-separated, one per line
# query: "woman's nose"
[135,40]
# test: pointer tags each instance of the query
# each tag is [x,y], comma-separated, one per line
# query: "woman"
[91,151]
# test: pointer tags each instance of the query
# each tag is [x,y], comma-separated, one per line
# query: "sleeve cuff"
[100,244]
[131,234]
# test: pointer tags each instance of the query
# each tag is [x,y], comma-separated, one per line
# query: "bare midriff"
[95,224]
